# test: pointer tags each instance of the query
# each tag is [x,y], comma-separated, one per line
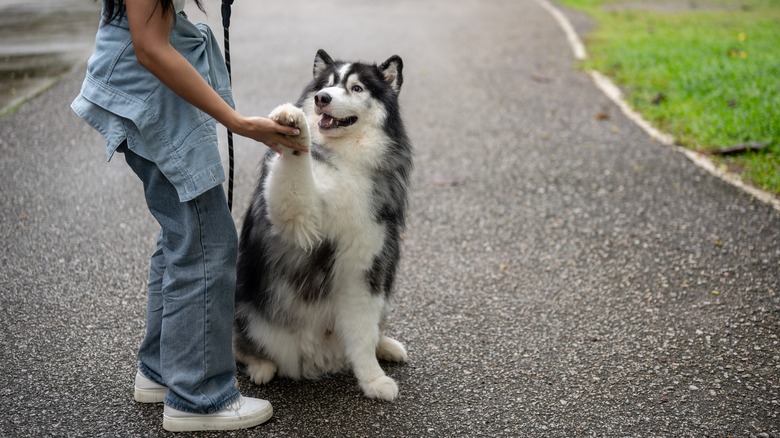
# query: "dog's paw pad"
[288,115]
[391,350]
[383,388]
[261,372]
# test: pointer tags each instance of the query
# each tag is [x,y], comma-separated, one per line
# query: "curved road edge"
[614,93]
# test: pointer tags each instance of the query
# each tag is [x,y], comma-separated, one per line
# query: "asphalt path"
[563,274]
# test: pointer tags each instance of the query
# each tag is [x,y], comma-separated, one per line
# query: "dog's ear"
[321,62]
[391,69]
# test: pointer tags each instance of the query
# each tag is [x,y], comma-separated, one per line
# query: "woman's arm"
[150,28]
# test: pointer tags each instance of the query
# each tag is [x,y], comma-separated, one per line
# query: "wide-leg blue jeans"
[192,276]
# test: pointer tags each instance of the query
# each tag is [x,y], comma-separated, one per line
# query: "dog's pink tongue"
[327,121]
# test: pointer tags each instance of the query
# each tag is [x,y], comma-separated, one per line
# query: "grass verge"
[707,72]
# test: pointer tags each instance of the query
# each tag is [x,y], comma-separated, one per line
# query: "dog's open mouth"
[330,122]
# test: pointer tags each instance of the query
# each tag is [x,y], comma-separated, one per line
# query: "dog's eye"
[357,89]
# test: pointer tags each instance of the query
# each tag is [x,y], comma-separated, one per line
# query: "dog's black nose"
[322,99]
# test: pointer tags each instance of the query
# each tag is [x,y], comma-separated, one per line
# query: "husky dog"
[321,240]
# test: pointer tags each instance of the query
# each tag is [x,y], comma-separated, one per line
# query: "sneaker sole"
[199,423]
[150,395]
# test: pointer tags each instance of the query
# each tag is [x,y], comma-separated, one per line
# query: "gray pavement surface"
[40,40]
[563,274]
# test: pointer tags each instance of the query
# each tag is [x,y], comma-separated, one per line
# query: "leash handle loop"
[226,12]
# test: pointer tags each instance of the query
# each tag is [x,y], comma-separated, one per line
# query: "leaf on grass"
[740,148]
[660,97]
[734,52]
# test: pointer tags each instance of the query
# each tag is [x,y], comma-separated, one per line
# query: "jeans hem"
[147,372]
[171,400]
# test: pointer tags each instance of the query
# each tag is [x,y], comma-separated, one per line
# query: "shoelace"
[236,406]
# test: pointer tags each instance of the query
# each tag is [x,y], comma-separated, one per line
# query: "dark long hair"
[116,8]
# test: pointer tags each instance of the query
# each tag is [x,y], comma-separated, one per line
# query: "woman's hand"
[268,132]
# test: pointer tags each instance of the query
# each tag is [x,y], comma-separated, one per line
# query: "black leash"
[226,26]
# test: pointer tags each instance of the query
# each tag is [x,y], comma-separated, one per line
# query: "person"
[155,86]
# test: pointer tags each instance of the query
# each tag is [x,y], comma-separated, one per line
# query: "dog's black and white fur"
[320,243]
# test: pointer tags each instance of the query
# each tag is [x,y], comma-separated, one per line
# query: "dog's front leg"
[359,330]
[291,191]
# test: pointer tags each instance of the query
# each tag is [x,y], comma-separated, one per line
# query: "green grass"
[707,72]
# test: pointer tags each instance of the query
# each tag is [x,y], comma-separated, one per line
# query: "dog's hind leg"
[260,370]
[391,350]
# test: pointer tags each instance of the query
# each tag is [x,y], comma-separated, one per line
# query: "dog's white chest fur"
[335,206]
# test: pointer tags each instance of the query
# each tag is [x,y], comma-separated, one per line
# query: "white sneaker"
[243,413]
[147,390]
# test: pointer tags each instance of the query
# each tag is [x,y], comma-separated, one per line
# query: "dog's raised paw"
[287,114]
[290,115]
[383,388]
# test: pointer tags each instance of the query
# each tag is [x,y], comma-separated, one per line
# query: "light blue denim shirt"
[123,101]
